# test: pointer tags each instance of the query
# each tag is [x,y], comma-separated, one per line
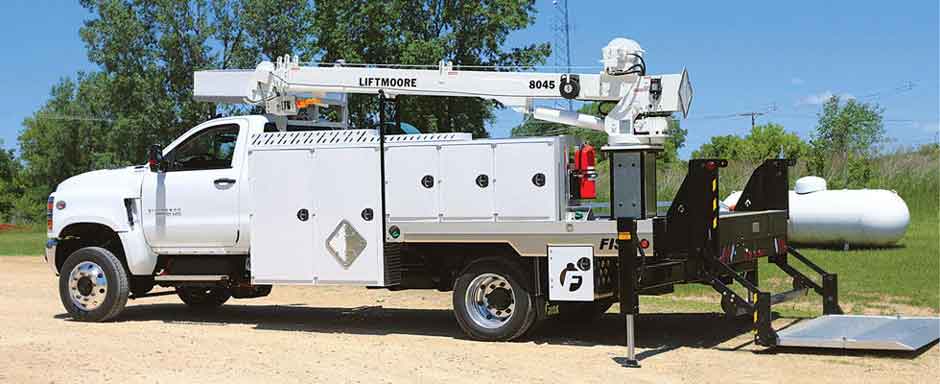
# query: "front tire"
[492,302]
[203,297]
[93,285]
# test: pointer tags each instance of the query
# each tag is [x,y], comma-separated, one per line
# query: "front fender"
[90,208]
[120,215]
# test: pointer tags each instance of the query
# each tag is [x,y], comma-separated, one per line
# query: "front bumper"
[49,255]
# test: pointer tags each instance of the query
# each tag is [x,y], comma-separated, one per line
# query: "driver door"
[193,202]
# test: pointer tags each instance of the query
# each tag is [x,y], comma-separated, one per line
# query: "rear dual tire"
[492,301]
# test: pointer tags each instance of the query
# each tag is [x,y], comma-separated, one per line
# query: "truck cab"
[197,190]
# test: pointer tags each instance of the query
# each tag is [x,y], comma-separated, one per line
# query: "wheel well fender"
[79,235]
[449,260]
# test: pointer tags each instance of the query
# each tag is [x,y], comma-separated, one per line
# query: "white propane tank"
[865,217]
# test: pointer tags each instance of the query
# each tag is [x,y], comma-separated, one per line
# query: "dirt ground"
[327,334]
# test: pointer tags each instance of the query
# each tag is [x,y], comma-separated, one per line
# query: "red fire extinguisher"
[584,160]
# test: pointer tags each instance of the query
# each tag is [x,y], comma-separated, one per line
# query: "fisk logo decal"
[608,243]
[572,277]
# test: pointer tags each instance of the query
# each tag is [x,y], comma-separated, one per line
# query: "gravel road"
[332,334]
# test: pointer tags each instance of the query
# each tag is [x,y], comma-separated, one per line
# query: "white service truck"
[239,204]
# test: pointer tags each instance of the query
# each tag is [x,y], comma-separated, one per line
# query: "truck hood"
[122,181]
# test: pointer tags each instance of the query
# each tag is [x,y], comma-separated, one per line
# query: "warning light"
[304,103]
[644,243]
[711,166]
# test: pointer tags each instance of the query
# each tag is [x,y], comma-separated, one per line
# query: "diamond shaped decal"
[345,244]
[685,93]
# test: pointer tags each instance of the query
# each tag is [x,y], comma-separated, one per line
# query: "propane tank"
[861,217]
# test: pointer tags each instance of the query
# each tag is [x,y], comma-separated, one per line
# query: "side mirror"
[155,158]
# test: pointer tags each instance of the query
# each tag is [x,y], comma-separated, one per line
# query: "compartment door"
[348,218]
[282,225]
[412,177]
[467,182]
[528,189]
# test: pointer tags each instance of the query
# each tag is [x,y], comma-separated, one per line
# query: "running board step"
[190,278]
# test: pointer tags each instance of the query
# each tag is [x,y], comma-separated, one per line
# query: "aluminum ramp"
[890,333]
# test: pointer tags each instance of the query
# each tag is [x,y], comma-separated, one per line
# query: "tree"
[9,190]
[764,141]
[674,142]
[722,147]
[533,127]
[466,33]
[63,138]
[847,138]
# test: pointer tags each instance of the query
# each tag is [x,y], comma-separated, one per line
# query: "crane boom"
[644,103]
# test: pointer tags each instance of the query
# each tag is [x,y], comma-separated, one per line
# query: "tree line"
[848,138]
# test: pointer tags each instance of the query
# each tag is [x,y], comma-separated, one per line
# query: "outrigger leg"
[629,303]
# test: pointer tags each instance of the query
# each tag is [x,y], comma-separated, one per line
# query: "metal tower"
[561,46]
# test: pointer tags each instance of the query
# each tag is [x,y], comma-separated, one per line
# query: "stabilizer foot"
[630,363]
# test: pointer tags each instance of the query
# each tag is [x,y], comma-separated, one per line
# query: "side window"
[210,149]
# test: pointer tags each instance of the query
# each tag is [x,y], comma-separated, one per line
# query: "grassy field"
[886,280]
[883,280]
[19,241]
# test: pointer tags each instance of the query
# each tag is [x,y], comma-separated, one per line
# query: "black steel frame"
[688,248]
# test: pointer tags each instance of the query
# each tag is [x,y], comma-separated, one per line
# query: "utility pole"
[753,116]
[771,108]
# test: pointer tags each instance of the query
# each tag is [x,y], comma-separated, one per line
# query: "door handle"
[224,180]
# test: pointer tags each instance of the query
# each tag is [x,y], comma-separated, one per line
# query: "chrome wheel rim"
[490,301]
[88,286]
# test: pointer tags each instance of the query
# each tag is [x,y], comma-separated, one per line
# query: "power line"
[772,108]
[907,86]
[49,116]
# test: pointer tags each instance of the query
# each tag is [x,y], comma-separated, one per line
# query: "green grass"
[22,242]
[870,280]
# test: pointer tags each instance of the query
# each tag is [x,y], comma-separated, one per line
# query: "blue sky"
[742,56]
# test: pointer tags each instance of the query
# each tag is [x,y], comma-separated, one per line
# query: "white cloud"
[797,81]
[820,98]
